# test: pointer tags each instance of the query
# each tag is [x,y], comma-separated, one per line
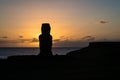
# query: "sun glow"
[70,20]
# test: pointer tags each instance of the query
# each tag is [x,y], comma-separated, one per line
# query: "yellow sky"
[71,21]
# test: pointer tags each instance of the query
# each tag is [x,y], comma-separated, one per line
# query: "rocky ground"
[100,60]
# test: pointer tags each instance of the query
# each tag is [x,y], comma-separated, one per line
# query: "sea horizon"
[38,47]
[5,52]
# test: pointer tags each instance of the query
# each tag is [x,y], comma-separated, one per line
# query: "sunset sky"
[74,23]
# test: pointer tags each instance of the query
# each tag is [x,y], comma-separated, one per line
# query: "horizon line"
[38,47]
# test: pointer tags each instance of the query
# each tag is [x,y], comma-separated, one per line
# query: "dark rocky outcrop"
[98,49]
[97,61]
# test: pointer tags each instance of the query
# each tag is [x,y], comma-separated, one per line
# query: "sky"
[74,23]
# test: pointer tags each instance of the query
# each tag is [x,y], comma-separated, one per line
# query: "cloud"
[56,40]
[62,42]
[103,22]
[65,37]
[28,40]
[24,40]
[20,36]
[3,41]
[35,40]
[69,43]
[88,38]
[8,41]
[18,41]
[4,37]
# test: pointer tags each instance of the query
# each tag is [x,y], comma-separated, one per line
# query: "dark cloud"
[103,22]
[13,42]
[3,41]
[64,37]
[35,40]
[62,42]
[28,40]
[24,40]
[56,40]
[20,36]
[8,41]
[61,37]
[88,38]
[70,43]
[67,42]
[17,42]
[4,37]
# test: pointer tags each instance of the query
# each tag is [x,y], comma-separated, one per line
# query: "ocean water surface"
[5,52]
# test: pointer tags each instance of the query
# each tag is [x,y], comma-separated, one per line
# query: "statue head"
[45,29]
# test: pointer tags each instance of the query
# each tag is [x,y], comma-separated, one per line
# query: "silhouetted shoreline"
[96,61]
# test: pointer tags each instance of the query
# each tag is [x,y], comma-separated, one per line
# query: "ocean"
[5,52]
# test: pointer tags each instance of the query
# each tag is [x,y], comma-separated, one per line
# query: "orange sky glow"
[72,21]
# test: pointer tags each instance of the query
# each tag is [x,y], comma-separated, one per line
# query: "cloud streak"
[103,22]
[62,42]
[73,43]
[4,37]
[8,41]
[69,43]
[88,38]
[20,36]
[33,40]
